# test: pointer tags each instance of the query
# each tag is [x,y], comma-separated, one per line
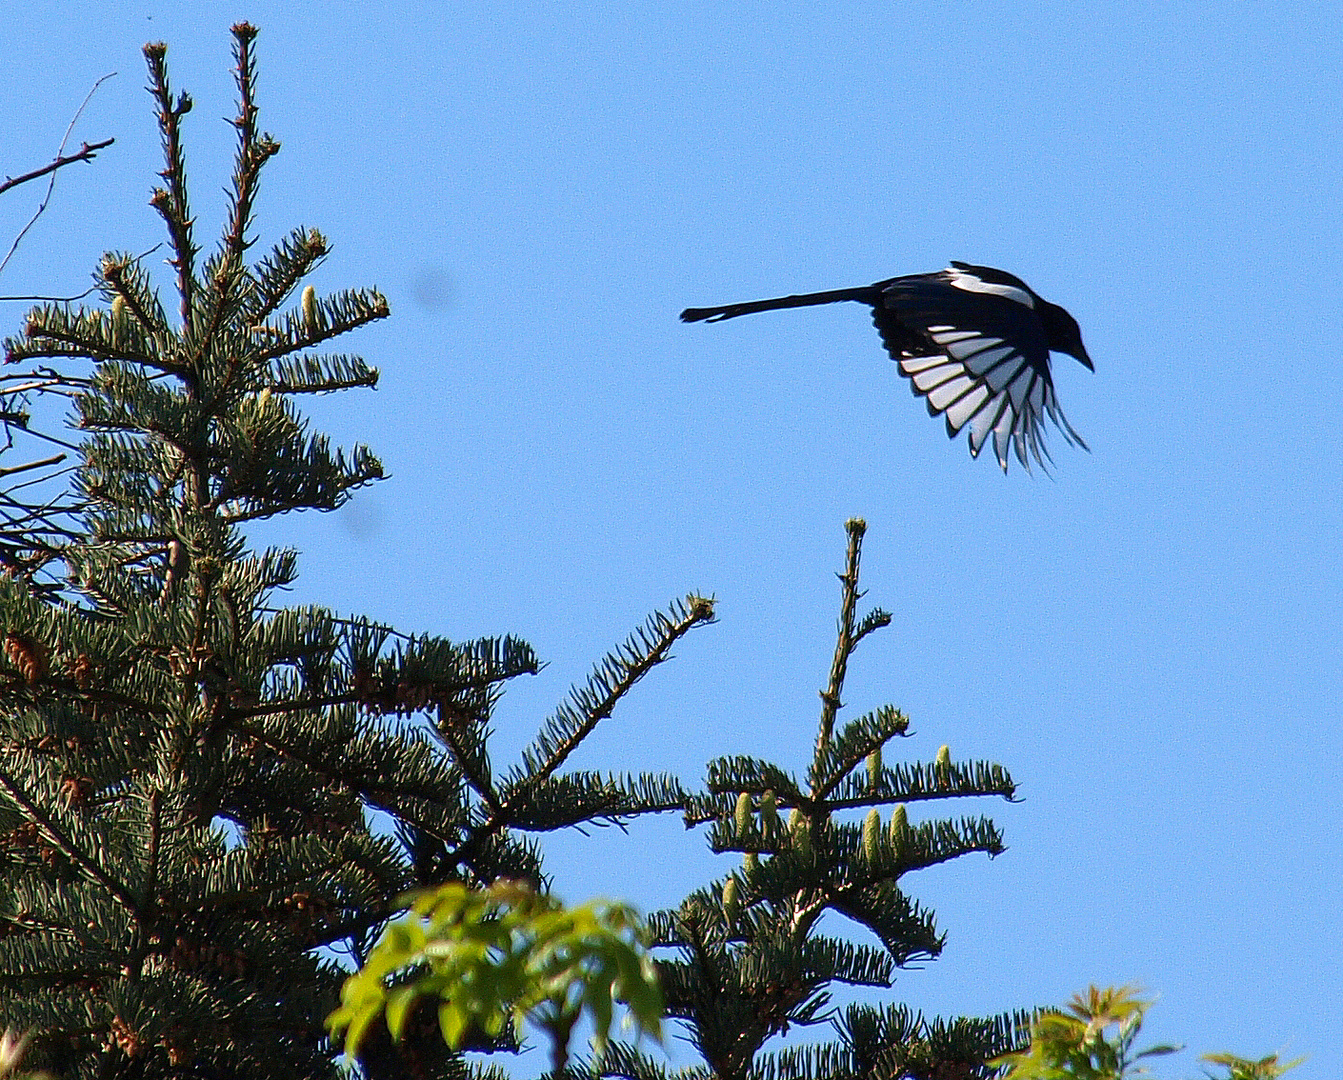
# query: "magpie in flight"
[974,342]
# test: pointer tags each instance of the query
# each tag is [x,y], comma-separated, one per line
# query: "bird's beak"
[1085,360]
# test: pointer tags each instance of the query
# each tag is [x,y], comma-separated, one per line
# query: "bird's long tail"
[867,294]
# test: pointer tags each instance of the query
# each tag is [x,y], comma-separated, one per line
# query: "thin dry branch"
[53,460]
[86,153]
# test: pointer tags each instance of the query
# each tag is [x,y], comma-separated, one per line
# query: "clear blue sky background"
[1149,641]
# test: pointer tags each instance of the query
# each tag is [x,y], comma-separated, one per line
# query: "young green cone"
[872,834]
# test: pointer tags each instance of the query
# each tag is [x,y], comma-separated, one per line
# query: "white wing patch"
[946,335]
[962,279]
[984,383]
[958,412]
[911,364]
[950,392]
[934,377]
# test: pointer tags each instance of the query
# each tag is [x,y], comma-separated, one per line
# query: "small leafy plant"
[501,956]
[1093,1038]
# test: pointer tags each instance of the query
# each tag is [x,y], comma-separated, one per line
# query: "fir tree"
[186,771]
[746,961]
[742,961]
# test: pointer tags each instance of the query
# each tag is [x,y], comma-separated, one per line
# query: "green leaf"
[399,1003]
[452,1022]
[506,952]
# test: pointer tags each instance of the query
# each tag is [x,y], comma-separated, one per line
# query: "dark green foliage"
[895,1044]
[186,771]
[745,961]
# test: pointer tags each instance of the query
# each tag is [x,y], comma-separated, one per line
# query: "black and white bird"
[974,343]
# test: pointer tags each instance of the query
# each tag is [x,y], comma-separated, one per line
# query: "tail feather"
[867,294]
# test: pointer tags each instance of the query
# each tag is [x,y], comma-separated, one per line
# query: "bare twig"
[54,299]
[53,460]
[86,153]
[51,439]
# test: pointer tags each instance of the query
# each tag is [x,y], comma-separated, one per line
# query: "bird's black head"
[1064,334]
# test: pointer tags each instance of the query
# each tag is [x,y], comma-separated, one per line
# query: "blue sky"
[1150,640]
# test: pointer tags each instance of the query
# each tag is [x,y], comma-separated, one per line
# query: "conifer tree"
[187,770]
[743,959]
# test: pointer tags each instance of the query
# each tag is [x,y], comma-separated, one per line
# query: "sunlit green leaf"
[499,954]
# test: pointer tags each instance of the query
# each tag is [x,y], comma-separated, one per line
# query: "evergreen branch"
[612,680]
[302,474]
[876,619]
[856,741]
[664,929]
[335,316]
[57,837]
[622,1061]
[152,848]
[475,766]
[311,703]
[381,788]
[823,1062]
[840,860]
[251,720]
[321,375]
[844,645]
[490,857]
[28,921]
[83,341]
[892,1042]
[236,880]
[905,929]
[126,277]
[251,154]
[833,960]
[588,706]
[865,1030]
[936,842]
[278,274]
[227,271]
[67,689]
[576,798]
[76,975]
[920,782]
[758,837]
[171,203]
[730,775]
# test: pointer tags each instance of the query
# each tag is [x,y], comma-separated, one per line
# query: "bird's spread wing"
[978,359]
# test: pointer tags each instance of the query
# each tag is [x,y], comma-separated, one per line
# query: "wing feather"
[979,357]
